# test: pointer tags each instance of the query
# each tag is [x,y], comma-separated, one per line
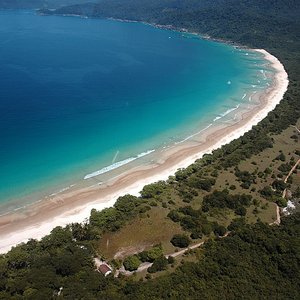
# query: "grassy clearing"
[140,234]
[155,227]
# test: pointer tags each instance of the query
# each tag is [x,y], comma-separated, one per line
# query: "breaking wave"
[117,165]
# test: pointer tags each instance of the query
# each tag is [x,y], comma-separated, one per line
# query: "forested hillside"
[273,24]
[254,262]
[236,189]
[17,4]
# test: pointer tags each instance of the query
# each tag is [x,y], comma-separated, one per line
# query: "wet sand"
[40,218]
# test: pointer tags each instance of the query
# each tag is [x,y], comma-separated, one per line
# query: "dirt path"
[296,128]
[290,173]
[146,265]
[278,219]
[292,170]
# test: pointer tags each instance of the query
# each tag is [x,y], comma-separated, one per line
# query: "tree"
[196,234]
[241,211]
[159,264]
[152,190]
[281,201]
[131,263]
[236,224]
[58,237]
[220,230]
[171,259]
[106,219]
[279,185]
[154,253]
[281,157]
[18,258]
[267,192]
[126,204]
[180,240]
[174,216]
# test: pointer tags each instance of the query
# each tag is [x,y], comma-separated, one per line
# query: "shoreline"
[75,206]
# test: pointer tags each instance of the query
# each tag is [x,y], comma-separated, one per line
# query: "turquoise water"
[78,95]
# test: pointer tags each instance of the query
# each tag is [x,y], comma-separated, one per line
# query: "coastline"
[75,206]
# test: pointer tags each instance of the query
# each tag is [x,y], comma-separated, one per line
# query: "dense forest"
[254,261]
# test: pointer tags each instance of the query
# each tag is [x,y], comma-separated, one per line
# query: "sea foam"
[117,165]
[192,135]
[226,112]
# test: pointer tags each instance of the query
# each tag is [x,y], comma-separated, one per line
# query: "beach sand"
[38,219]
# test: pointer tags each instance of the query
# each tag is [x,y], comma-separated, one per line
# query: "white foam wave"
[38,229]
[96,185]
[250,98]
[62,190]
[217,118]
[244,96]
[117,165]
[226,112]
[192,135]
[264,73]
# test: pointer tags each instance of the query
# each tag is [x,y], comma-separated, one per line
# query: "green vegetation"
[180,240]
[222,199]
[159,264]
[112,219]
[131,263]
[254,262]
[257,261]
[192,220]
[152,254]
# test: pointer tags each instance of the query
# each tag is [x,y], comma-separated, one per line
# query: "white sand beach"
[75,206]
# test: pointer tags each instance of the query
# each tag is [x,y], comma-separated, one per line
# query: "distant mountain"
[153,8]
[11,4]
[249,22]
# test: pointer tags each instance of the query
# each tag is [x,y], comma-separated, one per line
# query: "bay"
[80,95]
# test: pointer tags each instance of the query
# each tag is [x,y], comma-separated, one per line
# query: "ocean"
[82,97]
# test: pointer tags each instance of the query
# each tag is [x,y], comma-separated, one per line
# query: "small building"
[104,269]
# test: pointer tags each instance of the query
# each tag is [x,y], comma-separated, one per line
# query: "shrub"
[143,209]
[279,185]
[220,230]
[171,260]
[241,211]
[180,240]
[267,192]
[174,216]
[131,263]
[281,157]
[153,189]
[153,203]
[154,253]
[196,234]
[236,224]
[159,264]
[202,184]
[284,168]
[281,202]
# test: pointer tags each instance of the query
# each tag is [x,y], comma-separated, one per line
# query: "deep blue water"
[74,92]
